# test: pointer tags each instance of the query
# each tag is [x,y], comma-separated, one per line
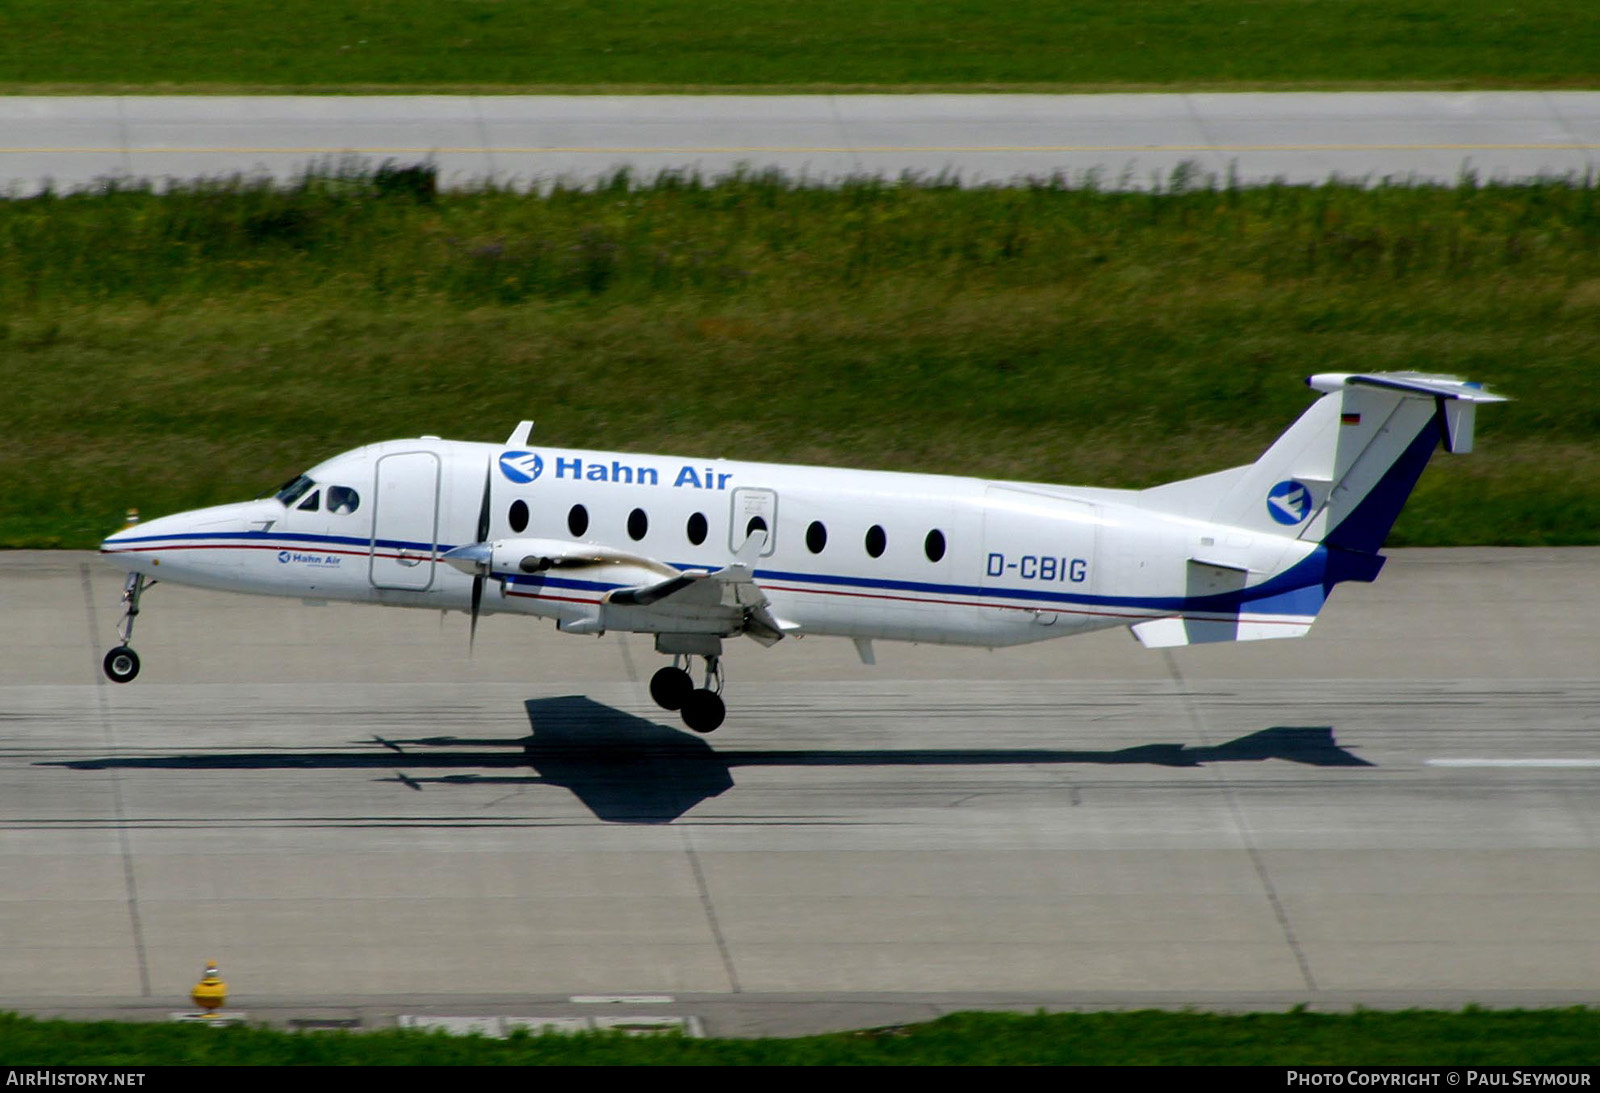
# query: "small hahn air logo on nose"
[1289,502]
[295,557]
[521,467]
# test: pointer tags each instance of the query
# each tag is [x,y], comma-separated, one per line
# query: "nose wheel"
[122,663]
[701,708]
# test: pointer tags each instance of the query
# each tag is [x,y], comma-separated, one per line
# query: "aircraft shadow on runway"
[627,769]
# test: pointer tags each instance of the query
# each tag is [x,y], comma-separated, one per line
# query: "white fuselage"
[861,554]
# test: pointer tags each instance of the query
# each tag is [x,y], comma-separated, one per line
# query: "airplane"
[698,551]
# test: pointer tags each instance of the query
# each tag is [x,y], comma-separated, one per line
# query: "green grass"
[1412,1038]
[717,44]
[168,351]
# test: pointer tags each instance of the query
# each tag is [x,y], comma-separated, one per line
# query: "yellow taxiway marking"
[976,149]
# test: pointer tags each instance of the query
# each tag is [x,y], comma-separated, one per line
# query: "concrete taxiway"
[361,823]
[1119,139]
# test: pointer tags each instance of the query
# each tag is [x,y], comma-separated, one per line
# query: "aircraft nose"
[118,548]
[120,536]
[173,539]
[123,547]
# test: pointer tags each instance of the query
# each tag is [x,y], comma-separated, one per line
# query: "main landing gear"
[701,707]
[122,663]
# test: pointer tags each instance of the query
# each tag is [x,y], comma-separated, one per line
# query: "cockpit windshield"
[292,490]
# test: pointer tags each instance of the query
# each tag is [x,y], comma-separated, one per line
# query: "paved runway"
[1123,140]
[361,823]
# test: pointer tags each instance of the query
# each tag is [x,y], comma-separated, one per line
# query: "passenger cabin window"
[816,537]
[876,541]
[638,524]
[578,521]
[310,503]
[757,523]
[696,529]
[342,500]
[933,545]
[518,516]
[292,490]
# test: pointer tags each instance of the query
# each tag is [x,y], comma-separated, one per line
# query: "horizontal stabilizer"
[1248,620]
[1456,400]
[1170,632]
[1411,383]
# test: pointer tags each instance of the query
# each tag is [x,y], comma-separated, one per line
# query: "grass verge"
[170,45]
[1413,1038]
[167,350]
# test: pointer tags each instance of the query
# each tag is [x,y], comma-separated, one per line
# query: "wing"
[726,601]
[654,598]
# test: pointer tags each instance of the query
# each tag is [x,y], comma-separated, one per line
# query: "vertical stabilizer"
[1342,472]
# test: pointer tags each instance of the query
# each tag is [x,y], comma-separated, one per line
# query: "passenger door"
[405,521]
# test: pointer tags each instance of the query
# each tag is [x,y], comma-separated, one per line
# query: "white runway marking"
[1534,763]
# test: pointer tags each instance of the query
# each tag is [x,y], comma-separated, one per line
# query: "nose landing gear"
[702,708]
[122,663]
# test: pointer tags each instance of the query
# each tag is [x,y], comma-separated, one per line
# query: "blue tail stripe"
[1368,525]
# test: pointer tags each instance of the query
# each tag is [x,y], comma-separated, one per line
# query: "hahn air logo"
[1289,502]
[295,557]
[521,467]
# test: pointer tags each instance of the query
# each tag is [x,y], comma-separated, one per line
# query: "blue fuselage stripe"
[1306,577]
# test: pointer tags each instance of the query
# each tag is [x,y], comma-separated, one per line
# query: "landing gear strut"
[122,663]
[673,689]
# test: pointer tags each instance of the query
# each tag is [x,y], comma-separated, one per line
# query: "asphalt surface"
[1118,139]
[363,824]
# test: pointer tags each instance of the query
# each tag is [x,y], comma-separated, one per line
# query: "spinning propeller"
[482,570]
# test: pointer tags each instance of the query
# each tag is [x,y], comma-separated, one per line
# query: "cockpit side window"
[294,489]
[310,503]
[342,500]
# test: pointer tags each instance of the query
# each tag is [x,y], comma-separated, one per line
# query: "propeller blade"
[483,534]
[477,598]
[483,510]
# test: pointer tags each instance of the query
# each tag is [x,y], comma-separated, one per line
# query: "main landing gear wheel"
[671,688]
[703,710]
[121,664]
[701,707]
